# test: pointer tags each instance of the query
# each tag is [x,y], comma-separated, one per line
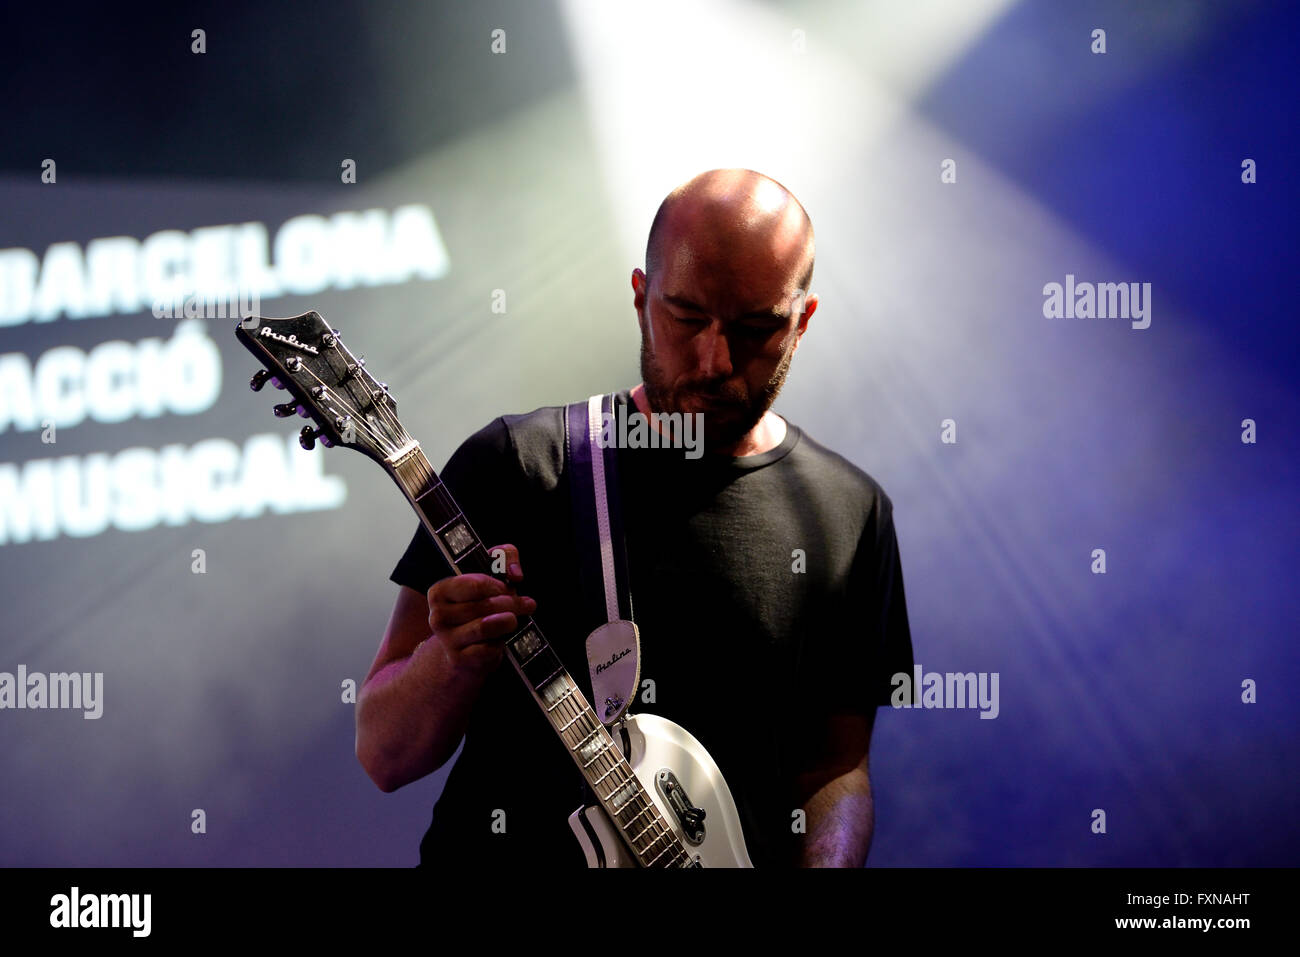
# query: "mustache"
[714,392]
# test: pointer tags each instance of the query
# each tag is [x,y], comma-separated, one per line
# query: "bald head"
[729,213]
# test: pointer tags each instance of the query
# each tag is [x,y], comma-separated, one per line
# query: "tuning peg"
[259,380]
[308,436]
[275,381]
[285,409]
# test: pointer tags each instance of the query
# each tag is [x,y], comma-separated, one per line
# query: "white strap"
[602,507]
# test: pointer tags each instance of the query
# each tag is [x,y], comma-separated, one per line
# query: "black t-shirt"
[768,593]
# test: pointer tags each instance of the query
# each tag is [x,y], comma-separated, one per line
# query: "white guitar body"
[657,745]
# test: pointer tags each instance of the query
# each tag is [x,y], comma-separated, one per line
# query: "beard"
[732,411]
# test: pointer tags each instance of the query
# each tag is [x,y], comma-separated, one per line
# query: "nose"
[714,357]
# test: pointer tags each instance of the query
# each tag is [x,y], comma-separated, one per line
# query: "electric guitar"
[662,801]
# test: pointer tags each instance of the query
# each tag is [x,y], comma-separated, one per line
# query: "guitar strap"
[614,648]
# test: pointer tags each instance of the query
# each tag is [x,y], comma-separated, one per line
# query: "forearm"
[840,820]
[411,715]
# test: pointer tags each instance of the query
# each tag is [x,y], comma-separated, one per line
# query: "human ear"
[640,287]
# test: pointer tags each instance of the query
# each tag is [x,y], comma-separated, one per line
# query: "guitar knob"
[308,436]
[258,380]
[285,410]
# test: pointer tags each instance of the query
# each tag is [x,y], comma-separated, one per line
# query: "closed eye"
[748,329]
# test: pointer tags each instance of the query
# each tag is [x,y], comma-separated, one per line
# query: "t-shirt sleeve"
[884,639]
[476,475]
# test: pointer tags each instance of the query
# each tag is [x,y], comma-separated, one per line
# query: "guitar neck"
[570,715]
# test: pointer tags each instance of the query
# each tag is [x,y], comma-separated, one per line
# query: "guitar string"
[584,721]
[620,781]
[403,437]
[354,413]
[639,799]
[657,822]
[656,829]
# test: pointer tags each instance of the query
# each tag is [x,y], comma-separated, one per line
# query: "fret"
[649,810]
[641,833]
[679,855]
[572,705]
[526,642]
[656,823]
[563,699]
[630,794]
[442,517]
[438,505]
[631,804]
[458,538]
[575,729]
[659,855]
[648,807]
[587,731]
[583,743]
[478,560]
[664,832]
[638,795]
[649,827]
[648,836]
[603,765]
[575,725]
[542,669]
[579,717]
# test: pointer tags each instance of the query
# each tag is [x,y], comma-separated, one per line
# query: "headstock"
[307,359]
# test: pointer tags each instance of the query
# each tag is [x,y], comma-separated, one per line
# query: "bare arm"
[437,652]
[837,797]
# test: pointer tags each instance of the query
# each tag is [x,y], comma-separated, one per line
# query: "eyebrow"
[771,313]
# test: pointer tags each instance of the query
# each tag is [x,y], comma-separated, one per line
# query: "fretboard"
[589,743]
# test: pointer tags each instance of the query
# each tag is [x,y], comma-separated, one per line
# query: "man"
[765,574]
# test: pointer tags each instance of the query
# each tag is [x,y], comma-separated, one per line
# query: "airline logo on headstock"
[289,341]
